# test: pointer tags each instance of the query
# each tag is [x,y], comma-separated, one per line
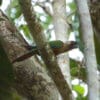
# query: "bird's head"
[71,45]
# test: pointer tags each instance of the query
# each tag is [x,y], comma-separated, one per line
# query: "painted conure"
[57,46]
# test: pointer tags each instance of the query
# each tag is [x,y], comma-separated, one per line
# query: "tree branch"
[89,50]
[61,28]
[45,8]
[44,49]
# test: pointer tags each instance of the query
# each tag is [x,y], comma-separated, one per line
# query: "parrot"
[57,46]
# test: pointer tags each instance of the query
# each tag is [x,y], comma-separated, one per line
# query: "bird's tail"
[27,55]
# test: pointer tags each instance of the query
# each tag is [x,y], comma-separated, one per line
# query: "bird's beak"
[72,45]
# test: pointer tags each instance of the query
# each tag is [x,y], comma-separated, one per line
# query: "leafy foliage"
[79,89]
[14,10]
[77,70]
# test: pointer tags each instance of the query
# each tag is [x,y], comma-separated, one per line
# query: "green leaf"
[77,71]
[73,63]
[26,31]
[72,6]
[18,12]
[13,10]
[74,71]
[79,89]
[74,68]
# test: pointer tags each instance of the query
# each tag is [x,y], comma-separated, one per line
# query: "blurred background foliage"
[78,73]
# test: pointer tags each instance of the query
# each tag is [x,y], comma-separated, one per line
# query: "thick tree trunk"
[31,80]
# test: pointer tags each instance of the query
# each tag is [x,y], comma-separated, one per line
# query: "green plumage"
[56,44]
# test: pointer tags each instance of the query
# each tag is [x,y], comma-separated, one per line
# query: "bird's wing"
[56,44]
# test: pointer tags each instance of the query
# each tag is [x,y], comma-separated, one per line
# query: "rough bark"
[44,48]
[61,31]
[94,6]
[89,50]
[31,80]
